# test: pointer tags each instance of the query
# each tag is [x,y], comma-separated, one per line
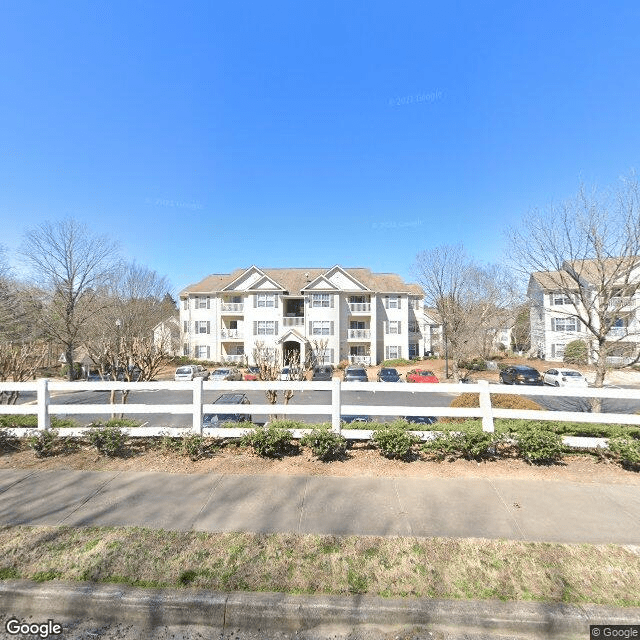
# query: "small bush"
[539,445]
[270,442]
[476,364]
[626,450]
[193,445]
[397,362]
[394,441]
[325,444]
[472,444]
[576,352]
[43,442]
[8,442]
[343,364]
[108,440]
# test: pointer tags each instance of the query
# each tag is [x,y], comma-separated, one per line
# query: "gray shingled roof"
[294,280]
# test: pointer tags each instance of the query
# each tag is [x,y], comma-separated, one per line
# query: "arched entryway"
[291,352]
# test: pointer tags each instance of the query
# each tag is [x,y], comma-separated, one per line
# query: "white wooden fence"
[44,408]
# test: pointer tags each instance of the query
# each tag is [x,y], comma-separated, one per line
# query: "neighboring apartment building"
[554,309]
[357,315]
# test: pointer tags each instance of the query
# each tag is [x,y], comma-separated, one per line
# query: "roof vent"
[306,275]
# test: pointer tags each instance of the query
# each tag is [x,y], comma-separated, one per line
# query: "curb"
[290,613]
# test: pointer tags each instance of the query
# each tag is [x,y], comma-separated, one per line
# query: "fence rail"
[334,409]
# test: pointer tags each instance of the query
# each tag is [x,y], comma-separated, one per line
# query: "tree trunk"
[69,357]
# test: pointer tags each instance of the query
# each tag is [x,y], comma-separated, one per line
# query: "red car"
[252,373]
[421,375]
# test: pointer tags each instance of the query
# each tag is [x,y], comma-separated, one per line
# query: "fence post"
[44,419]
[197,405]
[485,406]
[336,403]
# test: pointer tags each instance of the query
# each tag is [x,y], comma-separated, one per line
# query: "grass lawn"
[440,568]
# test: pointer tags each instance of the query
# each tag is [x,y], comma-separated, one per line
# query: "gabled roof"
[294,281]
[292,333]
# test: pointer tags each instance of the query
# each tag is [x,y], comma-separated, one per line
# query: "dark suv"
[322,372]
[217,419]
[520,374]
[355,373]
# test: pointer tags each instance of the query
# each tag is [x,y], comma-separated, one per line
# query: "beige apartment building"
[354,314]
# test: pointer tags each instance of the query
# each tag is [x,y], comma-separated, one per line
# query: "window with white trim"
[185,326]
[236,350]
[392,301]
[414,327]
[265,327]
[265,299]
[320,300]
[392,352]
[557,351]
[414,303]
[203,352]
[394,326]
[321,328]
[413,349]
[202,302]
[324,356]
[185,349]
[185,303]
[203,326]
[557,298]
[564,324]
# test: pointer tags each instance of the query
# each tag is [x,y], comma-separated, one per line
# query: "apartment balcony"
[359,307]
[359,334]
[231,334]
[618,332]
[234,359]
[365,360]
[295,321]
[618,303]
[232,307]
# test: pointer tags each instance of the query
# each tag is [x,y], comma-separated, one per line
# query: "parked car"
[388,374]
[218,419]
[421,419]
[564,378]
[520,374]
[191,371]
[421,375]
[355,373]
[252,373]
[290,373]
[322,372]
[351,419]
[226,373]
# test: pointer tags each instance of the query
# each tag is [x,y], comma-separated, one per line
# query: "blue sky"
[206,136]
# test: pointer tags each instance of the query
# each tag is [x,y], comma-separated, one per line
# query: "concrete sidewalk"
[476,508]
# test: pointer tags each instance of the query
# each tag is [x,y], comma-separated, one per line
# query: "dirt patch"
[362,461]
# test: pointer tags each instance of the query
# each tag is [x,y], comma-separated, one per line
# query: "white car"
[564,378]
[191,371]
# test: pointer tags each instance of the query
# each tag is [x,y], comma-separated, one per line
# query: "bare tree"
[270,362]
[473,301]
[586,252]
[19,363]
[121,342]
[71,266]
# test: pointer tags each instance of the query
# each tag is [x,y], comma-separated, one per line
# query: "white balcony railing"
[233,358]
[360,307]
[359,334]
[360,360]
[293,322]
[618,302]
[235,307]
[231,334]
[618,332]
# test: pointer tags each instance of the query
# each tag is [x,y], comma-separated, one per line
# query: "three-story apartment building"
[563,301]
[353,314]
